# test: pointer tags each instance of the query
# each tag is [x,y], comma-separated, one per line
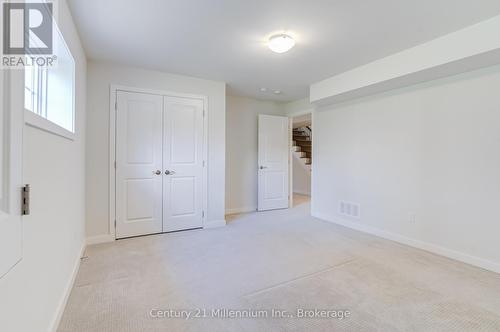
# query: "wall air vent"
[349,209]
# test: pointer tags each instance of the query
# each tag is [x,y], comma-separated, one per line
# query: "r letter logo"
[27,28]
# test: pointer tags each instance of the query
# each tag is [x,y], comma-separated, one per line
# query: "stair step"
[302,141]
[301,154]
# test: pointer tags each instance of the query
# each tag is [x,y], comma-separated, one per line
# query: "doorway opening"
[301,158]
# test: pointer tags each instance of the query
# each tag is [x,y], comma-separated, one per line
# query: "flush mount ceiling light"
[281,43]
[265,90]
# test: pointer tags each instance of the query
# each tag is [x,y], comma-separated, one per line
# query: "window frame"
[37,90]
[37,121]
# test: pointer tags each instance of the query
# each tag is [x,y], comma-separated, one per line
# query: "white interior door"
[139,170]
[11,132]
[183,164]
[273,162]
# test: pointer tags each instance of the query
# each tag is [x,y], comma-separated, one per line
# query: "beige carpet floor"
[283,260]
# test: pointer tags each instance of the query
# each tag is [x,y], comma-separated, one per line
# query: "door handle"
[263,167]
[167,172]
[158,172]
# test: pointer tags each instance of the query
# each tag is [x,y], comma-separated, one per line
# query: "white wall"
[100,77]
[241,150]
[298,107]
[430,151]
[32,294]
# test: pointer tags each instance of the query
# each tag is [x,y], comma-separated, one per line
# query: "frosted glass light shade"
[281,43]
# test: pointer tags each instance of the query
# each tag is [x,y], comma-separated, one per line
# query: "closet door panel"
[139,166]
[183,164]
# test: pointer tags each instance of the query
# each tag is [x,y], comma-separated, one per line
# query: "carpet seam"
[313,274]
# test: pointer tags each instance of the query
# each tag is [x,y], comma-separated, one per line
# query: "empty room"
[237,165]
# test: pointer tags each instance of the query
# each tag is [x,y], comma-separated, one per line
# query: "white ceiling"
[225,40]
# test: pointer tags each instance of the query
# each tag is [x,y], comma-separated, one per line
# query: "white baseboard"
[67,291]
[241,210]
[214,224]
[433,248]
[100,239]
[300,192]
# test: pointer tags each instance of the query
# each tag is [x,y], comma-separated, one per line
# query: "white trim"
[290,162]
[214,224]
[67,291]
[112,148]
[115,87]
[36,121]
[206,113]
[314,157]
[292,153]
[98,239]
[241,210]
[433,248]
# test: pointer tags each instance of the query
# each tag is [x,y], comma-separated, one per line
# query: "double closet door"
[159,164]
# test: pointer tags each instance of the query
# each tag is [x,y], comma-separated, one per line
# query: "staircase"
[302,144]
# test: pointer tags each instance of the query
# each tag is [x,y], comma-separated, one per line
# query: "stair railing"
[308,131]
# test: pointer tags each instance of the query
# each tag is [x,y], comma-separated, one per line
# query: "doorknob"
[262,167]
[158,172]
[167,172]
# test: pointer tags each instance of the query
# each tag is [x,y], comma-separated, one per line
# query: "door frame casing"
[291,116]
[12,103]
[113,89]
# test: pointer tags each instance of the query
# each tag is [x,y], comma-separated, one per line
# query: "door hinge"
[26,200]
[203,214]
[115,223]
[203,163]
[116,105]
